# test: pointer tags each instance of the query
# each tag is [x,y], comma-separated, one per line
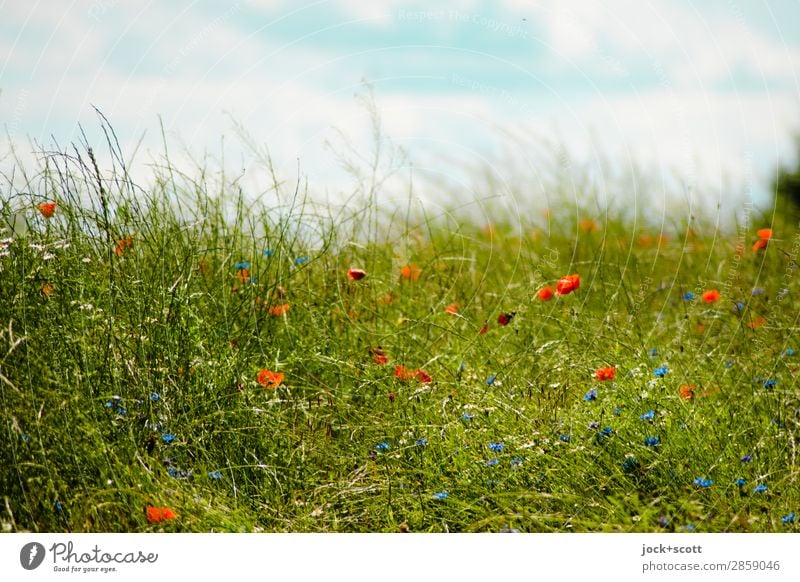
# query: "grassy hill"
[184,349]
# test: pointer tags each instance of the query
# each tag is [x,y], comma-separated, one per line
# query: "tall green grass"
[104,355]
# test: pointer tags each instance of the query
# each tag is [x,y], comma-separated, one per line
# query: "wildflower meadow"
[185,358]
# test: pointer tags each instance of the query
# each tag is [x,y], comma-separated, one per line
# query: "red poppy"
[687,391]
[269,379]
[242,275]
[46,290]
[423,377]
[604,374]
[588,225]
[545,293]
[452,309]
[757,322]
[407,374]
[710,296]
[159,514]
[356,274]
[411,272]
[568,284]
[378,356]
[764,236]
[484,329]
[505,318]
[47,209]
[278,310]
[122,244]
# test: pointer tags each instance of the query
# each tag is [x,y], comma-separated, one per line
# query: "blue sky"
[703,92]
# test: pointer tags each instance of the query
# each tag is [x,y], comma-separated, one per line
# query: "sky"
[702,96]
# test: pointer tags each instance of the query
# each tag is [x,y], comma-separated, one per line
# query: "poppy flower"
[545,293]
[279,310]
[588,225]
[46,290]
[568,284]
[687,391]
[604,374]
[484,329]
[378,356]
[505,318]
[452,309]
[407,374]
[269,379]
[47,209]
[757,322]
[122,244]
[710,296]
[159,514]
[242,275]
[356,274]
[411,272]
[764,236]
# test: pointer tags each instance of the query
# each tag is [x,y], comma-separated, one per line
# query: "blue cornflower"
[630,463]
[663,521]
[604,434]
[491,462]
[467,416]
[24,438]
[739,306]
[178,473]
[760,488]
[688,296]
[154,397]
[617,411]
[168,438]
[758,290]
[747,459]
[649,415]
[789,352]
[704,483]
[300,260]
[590,395]
[689,527]
[490,380]
[497,447]
[421,442]
[215,475]
[242,265]
[770,383]
[384,446]
[728,363]
[661,371]
[565,437]
[268,253]
[441,495]
[789,518]
[740,482]
[652,441]
[58,506]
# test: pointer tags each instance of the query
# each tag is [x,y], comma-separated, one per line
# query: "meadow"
[182,359]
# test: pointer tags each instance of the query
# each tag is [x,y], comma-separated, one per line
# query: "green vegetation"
[136,323]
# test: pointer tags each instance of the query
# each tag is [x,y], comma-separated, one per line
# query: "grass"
[132,342]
